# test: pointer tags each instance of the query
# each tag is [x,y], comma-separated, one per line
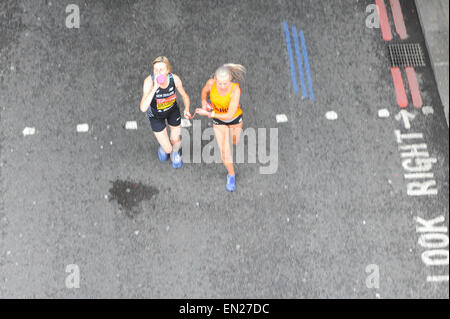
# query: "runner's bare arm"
[232,108]
[149,92]
[180,88]
[205,93]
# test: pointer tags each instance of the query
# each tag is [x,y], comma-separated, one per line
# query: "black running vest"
[164,99]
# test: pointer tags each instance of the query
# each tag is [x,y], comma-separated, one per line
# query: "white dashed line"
[28,131]
[332,115]
[131,125]
[427,110]
[281,118]
[82,128]
[185,123]
[384,113]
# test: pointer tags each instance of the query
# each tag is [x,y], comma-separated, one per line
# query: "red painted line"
[384,21]
[414,86]
[402,99]
[399,22]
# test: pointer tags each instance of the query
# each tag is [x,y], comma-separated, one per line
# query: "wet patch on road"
[129,195]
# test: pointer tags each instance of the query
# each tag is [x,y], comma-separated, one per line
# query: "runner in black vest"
[160,104]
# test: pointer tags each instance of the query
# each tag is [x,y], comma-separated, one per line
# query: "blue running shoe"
[176,160]
[163,156]
[231,183]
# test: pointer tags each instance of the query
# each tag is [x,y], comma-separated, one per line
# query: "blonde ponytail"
[234,71]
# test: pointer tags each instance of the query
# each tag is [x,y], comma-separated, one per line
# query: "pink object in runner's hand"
[160,79]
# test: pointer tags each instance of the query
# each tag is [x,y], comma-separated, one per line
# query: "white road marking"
[383,113]
[444,63]
[427,110]
[434,239]
[424,165]
[437,278]
[131,125]
[435,257]
[28,131]
[419,175]
[405,116]
[185,123]
[281,118]
[410,136]
[82,128]
[331,115]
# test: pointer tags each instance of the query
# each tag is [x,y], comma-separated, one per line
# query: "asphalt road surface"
[95,214]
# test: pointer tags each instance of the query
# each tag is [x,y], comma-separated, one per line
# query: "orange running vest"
[221,103]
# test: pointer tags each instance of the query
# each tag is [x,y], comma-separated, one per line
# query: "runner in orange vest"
[224,94]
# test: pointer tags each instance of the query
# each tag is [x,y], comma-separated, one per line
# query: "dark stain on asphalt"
[129,195]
